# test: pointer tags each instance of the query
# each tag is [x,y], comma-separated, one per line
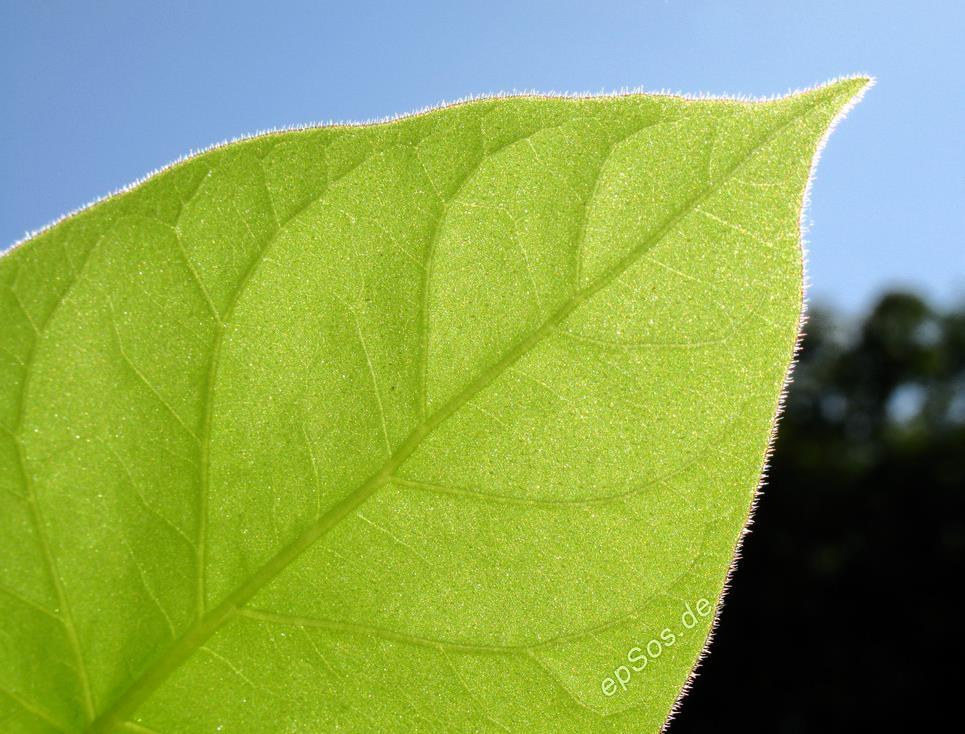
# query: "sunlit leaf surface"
[449,424]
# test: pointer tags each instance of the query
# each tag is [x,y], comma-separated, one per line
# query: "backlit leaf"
[451,423]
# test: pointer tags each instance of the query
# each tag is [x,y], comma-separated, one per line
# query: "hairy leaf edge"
[443,105]
[778,410]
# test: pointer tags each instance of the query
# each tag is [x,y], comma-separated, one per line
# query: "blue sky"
[95,95]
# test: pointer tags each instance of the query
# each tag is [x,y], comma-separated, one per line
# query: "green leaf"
[430,425]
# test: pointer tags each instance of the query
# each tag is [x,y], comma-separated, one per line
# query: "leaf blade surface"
[416,426]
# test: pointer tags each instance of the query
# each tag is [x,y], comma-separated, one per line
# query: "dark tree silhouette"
[843,614]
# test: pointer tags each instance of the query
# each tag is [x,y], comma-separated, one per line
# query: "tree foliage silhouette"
[841,616]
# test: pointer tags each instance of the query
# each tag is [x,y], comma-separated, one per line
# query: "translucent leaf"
[451,423]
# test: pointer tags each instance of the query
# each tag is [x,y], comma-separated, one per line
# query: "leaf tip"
[852,88]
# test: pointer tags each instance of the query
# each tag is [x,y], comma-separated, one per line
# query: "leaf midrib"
[196,635]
